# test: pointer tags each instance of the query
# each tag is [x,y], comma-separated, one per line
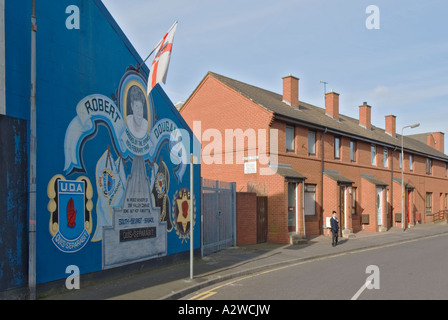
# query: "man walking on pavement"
[334,229]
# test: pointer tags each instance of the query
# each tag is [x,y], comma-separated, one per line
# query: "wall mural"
[134,197]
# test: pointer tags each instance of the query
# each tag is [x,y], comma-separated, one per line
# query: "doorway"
[379,206]
[292,206]
[408,205]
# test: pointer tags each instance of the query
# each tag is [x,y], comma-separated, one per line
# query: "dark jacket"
[334,225]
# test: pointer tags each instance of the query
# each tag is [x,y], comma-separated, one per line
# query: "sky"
[394,58]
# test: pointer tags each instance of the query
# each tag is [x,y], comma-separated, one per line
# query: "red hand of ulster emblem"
[71,213]
[185,208]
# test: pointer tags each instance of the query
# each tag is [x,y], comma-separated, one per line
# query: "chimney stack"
[291,91]
[391,127]
[365,116]
[332,104]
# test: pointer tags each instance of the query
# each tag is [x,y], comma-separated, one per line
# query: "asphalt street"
[414,269]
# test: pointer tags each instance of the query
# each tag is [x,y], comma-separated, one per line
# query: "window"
[385,158]
[311,142]
[400,160]
[353,198]
[352,150]
[428,166]
[289,138]
[373,155]
[428,202]
[411,165]
[310,199]
[337,147]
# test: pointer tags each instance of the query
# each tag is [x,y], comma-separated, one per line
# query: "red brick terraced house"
[309,161]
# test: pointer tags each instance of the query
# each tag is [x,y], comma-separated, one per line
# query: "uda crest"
[70,208]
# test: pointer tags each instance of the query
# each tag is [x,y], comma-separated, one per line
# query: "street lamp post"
[402,174]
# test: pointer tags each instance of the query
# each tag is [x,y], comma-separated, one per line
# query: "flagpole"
[138,68]
[191,215]
[158,44]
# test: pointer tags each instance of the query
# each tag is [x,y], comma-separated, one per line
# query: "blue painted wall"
[73,64]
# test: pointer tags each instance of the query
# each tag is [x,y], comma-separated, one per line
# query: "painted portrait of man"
[136,121]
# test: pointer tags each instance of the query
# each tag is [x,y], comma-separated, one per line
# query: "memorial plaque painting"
[123,204]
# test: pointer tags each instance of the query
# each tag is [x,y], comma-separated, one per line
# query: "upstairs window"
[428,166]
[352,150]
[337,147]
[373,155]
[385,158]
[289,138]
[311,142]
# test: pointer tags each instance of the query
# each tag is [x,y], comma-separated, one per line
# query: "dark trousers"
[334,237]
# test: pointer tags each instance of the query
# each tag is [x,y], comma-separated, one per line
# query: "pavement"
[173,281]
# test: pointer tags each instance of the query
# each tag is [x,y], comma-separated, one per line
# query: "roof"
[313,116]
[406,185]
[373,180]
[287,172]
[334,175]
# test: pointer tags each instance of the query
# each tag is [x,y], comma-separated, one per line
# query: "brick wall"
[220,107]
[246,218]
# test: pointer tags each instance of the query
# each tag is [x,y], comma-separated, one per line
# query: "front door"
[379,206]
[292,187]
[409,207]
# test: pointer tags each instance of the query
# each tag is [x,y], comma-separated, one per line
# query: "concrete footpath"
[173,281]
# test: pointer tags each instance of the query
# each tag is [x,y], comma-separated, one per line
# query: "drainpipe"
[303,208]
[32,165]
[321,218]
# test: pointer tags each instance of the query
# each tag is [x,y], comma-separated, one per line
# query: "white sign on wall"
[250,167]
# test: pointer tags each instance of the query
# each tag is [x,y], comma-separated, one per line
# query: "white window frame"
[291,141]
[337,147]
[353,150]
[373,155]
[311,142]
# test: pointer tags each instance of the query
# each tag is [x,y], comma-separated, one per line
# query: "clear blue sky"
[400,68]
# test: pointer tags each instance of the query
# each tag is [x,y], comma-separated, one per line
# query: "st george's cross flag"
[159,67]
